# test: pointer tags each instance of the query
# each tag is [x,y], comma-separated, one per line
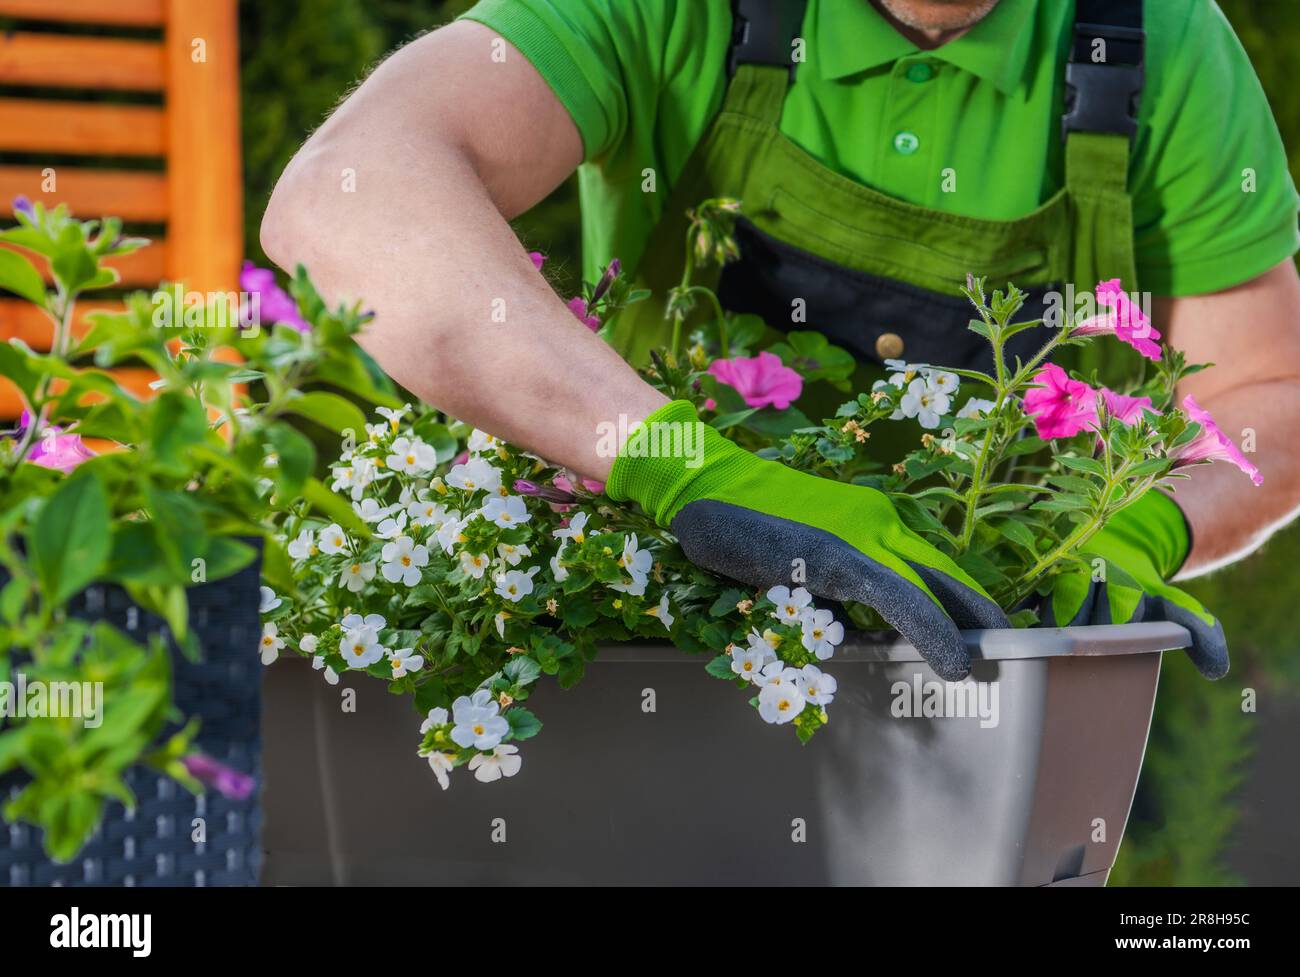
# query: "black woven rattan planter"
[152,845]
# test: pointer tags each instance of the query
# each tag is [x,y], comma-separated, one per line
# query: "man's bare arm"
[1252,335]
[447,144]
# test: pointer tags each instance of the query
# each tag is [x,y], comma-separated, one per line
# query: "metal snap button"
[907,143]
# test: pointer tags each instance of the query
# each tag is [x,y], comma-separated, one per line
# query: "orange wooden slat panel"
[206,211]
[22,320]
[46,125]
[130,195]
[68,61]
[128,13]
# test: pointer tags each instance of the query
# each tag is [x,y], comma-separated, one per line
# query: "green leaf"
[724,421]
[720,667]
[70,541]
[176,423]
[1018,533]
[295,458]
[1090,465]
[18,275]
[1069,590]
[523,724]
[329,410]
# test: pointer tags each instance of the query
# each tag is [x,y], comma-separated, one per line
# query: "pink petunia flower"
[537,258]
[275,304]
[1061,407]
[1122,319]
[227,781]
[762,380]
[578,306]
[62,452]
[1127,409]
[1211,444]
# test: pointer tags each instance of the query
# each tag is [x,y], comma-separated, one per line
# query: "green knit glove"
[1143,545]
[753,520]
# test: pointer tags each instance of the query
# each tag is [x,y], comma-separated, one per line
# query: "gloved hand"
[749,519]
[1143,546]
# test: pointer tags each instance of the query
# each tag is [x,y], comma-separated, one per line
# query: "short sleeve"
[589,52]
[1214,204]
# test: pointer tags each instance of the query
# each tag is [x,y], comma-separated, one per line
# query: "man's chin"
[938,15]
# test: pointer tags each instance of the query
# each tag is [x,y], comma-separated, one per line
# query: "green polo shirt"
[1213,202]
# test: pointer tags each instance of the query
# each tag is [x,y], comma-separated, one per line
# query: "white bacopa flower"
[331,676]
[775,672]
[511,554]
[394,415]
[474,564]
[271,643]
[504,761]
[663,613]
[426,512]
[941,381]
[411,456]
[303,546]
[789,604]
[403,558]
[392,528]
[370,510]
[308,643]
[355,576]
[360,647]
[333,539]
[926,405]
[376,432]
[817,687]
[355,477]
[437,717]
[505,512]
[750,662]
[480,442]
[473,475]
[269,601]
[558,570]
[451,531]
[575,530]
[637,563]
[780,702]
[442,764]
[821,633]
[477,723]
[404,661]
[354,622]
[975,407]
[515,585]
[500,621]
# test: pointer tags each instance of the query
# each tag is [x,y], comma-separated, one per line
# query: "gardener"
[883,149]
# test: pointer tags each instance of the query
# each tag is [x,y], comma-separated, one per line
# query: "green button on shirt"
[970,128]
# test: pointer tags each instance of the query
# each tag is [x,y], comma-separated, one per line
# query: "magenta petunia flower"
[1061,407]
[1211,444]
[275,304]
[547,492]
[62,452]
[1122,319]
[227,781]
[537,258]
[1127,409]
[578,306]
[762,380]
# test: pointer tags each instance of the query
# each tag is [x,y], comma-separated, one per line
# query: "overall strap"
[760,58]
[1104,76]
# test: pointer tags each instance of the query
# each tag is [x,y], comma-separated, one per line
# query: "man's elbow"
[283,229]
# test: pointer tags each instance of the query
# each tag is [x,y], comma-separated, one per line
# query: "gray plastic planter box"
[1027,779]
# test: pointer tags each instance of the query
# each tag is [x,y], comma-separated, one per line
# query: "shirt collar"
[853,37]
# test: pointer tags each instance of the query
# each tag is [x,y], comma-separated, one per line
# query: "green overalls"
[878,276]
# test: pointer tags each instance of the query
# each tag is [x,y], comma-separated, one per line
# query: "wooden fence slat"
[126,13]
[133,379]
[67,61]
[22,320]
[32,125]
[130,195]
[203,159]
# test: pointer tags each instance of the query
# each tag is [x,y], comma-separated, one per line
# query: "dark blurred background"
[1216,802]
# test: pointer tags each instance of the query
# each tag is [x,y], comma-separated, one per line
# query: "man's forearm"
[1229,516]
[462,317]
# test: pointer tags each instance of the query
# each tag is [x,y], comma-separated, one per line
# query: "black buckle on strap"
[1101,98]
[763,32]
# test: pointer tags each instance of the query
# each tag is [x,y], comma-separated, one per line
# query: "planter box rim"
[1002,644]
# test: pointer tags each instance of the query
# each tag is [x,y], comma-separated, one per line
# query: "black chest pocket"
[855,309]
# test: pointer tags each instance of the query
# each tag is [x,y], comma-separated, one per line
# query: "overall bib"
[879,276]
